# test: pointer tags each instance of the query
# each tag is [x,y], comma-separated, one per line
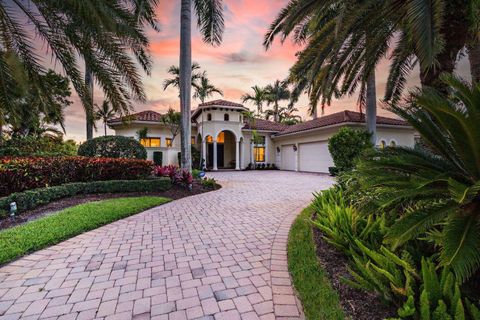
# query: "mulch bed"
[176,192]
[358,304]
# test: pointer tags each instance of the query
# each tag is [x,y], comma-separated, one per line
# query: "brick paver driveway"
[219,255]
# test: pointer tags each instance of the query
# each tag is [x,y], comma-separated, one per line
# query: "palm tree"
[105,113]
[274,94]
[174,81]
[173,120]
[210,21]
[257,98]
[437,190]
[205,89]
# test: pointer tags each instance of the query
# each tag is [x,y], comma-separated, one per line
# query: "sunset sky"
[235,66]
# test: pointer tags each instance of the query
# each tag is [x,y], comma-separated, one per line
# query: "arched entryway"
[223,151]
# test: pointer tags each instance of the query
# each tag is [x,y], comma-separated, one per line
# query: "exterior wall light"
[295,148]
[13,209]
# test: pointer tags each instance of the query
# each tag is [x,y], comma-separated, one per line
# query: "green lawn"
[50,230]
[319,299]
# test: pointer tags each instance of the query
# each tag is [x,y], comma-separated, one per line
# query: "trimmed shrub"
[158,158]
[32,199]
[37,146]
[20,174]
[113,147]
[346,145]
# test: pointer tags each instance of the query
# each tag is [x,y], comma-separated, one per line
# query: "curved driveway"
[218,255]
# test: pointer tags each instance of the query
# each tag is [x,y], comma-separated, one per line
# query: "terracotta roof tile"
[339,117]
[221,102]
[148,115]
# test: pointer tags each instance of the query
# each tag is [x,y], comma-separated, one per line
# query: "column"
[267,153]
[215,168]
[242,154]
[237,155]
[204,152]
[251,152]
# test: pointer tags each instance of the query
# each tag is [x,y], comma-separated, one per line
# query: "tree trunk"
[474,58]
[105,127]
[89,84]
[371,116]
[275,112]
[186,81]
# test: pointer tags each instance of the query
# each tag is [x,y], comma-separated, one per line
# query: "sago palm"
[437,189]
[205,89]
[210,22]
[258,98]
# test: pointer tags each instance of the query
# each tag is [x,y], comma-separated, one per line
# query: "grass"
[319,299]
[20,240]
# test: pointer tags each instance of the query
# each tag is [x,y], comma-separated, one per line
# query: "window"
[193,140]
[393,144]
[259,153]
[221,137]
[226,117]
[209,117]
[169,142]
[150,142]
[209,139]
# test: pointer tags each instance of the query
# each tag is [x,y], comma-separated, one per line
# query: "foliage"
[178,176]
[105,112]
[19,174]
[196,158]
[166,171]
[172,120]
[158,158]
[37,146]
[205,89]
[106,35]
[196,173]
[174,71]
[31,199]
[184,178]
[209,183]
[258,98]
[346,146]
[52,229]
[437,191]
[262,166]
[142,133]
[113,147]
[311,282]
[275,93]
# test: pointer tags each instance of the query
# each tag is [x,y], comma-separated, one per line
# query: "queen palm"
[434,191]
[210,21]
[105,112]
[258,98]
[275,93]
[205,89]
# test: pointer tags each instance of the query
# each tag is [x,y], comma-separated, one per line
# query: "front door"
[220,157]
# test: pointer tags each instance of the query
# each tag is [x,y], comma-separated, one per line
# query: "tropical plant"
[258,98]
[205,89]
[275,93]
[438,190]
[105,113]
[174,81]
[172,120]
[346,146]
[40,146]
[142,133]
[287,115]
[211,24]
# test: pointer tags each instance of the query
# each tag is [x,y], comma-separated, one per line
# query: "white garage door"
[314,157]
[288,157]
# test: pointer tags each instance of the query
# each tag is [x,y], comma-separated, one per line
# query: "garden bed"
[175,192]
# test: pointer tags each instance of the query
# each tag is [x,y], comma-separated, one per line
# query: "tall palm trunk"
[275,113]
[105,126]
[371,116]
[186,81]
[89,84]
[474,58]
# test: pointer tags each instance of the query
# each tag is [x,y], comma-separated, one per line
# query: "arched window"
[209,117]
[226,117]
[393,144]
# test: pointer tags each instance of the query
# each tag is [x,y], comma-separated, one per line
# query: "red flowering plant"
[184,178]
[166,171]
[178,176]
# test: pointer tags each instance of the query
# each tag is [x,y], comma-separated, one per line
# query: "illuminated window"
[393,144]
[209,117]
[151,142]
[226,117]
[209,139]
[193,140]
[169,142]
[259,153]
[221,137]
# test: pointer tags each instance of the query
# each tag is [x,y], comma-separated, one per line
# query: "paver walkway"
[219,255]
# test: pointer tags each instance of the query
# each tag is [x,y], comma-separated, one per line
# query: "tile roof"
[339,117]
[260,124]
[221,102]
[147,115]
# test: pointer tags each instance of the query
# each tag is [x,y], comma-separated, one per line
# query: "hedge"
[20,174]
[32,199]
[113,147]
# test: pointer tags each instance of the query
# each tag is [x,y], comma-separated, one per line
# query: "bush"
[158,158]
[19,174]
[37,146]
[31,199]
[113,147]
[177,176]
[209,183]
[346,145]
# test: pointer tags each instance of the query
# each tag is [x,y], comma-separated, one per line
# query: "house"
[225,138]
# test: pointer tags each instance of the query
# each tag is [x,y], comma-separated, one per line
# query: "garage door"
[314,157]
[288,157]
